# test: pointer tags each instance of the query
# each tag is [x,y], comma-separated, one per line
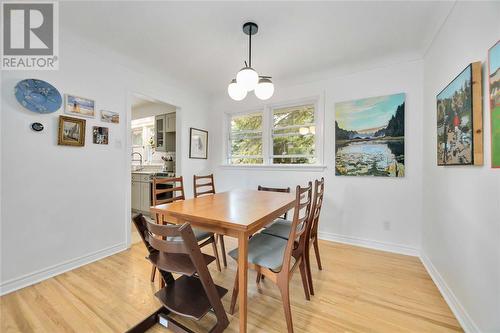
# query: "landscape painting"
[79,106]
[494,80]
[110,117]
[370,137]
[454,121]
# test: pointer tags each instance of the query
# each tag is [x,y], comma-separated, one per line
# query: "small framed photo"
[198,143]
[110,117]
[100,135]
[79,106]
[71,131]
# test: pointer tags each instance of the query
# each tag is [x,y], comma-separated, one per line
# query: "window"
[277,135]
[293,136]
[245,139]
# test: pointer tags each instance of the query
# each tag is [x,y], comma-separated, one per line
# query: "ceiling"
[202,44]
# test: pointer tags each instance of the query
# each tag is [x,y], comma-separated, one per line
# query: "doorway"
[154,140]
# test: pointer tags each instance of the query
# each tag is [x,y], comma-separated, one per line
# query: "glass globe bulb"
[248,78]
[236,91]
[265,89]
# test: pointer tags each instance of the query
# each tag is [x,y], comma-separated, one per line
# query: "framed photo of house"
[460,119]
[198,143]
[79,106]
[71,131]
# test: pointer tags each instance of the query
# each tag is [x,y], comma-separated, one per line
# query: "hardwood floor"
[359,290]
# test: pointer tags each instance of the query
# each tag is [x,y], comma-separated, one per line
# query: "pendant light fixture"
[247,78]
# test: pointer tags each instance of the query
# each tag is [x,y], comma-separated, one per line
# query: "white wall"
[461,221]
[355,208]
[64,206]
[151,109]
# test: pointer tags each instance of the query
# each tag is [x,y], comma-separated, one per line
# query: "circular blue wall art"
[38,96]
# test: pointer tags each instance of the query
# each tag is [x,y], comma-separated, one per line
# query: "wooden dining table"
[236,213]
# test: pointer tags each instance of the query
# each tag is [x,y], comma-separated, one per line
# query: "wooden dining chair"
[205,185]
[174,249]
[281,228]
[312,238]
[275,189]
[277,258]
[168,190]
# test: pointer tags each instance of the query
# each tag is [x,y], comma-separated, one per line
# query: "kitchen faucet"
[140,159]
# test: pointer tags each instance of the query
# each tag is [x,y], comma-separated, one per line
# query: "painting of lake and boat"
[369,137]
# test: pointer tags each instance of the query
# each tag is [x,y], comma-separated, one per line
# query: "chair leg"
[303,276]
[216,253]
[223,249]
[285,296]
[308,270]
[316,250]
[234,297]
[153,273]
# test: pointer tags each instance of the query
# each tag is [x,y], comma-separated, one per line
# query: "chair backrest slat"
[210,184]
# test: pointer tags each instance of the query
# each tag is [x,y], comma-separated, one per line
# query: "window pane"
[246,147]
[296,115]
[245,139]
[293,145]
[249,122]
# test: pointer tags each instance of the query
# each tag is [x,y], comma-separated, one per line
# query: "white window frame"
[267,130]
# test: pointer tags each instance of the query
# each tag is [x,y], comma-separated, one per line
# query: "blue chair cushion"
[280,228]
[199,234]
[264,250]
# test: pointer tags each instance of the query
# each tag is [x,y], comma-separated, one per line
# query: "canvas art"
[110,117]
[457,121]
[370,137]
[198,143]
[494,82]
[100,135]
[79,106]
[71,131]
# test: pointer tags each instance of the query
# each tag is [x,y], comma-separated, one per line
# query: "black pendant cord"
[250,48]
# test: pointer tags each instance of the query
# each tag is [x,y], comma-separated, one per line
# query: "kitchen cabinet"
[165,132]
[160,132]
[141,193]
[136,195]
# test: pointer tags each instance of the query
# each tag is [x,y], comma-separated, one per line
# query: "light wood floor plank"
[359,290]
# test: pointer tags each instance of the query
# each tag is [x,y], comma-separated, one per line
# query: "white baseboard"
[43,274]
[371,244]
[456,307]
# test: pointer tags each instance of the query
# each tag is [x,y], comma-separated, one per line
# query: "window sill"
[284,167]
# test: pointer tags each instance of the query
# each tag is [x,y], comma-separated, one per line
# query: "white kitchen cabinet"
[145,197]
[170,122]
[141,193]
[136,195]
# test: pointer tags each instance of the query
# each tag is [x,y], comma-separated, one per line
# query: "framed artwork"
[494,83]
[100,135]
[110,117]
[460,119]
[71,131]
[79,106]
[198,143]
[370,137]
